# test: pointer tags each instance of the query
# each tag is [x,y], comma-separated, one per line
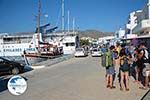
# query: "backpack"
[146,56]
[108,59]
[124,64]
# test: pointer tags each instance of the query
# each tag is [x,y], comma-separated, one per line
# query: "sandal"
[127,89]
[107,86]
[112,87]
[143,88]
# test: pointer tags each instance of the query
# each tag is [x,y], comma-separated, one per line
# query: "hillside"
[94,33]
[86,33]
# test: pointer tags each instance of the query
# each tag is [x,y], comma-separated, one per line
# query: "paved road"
[74,79]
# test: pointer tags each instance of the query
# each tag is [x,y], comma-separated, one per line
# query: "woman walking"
[124,69]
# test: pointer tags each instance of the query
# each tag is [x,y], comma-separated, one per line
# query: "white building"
[105,39]
[143,21]
[132,21]
[120,33]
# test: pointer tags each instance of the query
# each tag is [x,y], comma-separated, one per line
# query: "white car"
[96,52]
[80,52]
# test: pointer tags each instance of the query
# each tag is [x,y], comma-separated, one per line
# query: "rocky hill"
[94,33]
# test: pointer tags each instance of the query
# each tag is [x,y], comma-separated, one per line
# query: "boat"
[14,45]
[39,50]
[38,46]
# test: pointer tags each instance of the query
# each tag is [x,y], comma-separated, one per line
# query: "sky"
[104,15]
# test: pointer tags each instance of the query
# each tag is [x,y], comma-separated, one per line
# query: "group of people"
[122,58]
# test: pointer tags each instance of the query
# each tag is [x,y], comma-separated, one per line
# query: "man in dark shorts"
[110,70]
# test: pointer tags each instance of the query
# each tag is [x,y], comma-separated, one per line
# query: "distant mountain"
[94,34]
[86,33]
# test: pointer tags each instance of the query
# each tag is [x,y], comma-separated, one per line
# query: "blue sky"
[104,15]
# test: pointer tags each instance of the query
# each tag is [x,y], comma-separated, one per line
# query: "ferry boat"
[53,44]
[13,45]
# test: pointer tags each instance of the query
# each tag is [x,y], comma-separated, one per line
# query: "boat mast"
[63,15]
[38,16]
[68,20]
[73,24]
[38,31]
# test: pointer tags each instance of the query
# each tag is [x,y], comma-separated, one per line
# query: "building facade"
[143,21]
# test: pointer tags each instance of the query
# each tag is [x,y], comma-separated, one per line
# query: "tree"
[84,42]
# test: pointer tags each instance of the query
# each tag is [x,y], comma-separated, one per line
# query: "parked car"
[80,52]
[96,52]
[11,67]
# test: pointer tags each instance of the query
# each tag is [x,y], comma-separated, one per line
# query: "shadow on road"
[4,78]
[3,83]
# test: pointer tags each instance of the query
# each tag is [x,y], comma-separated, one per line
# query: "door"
[4,65]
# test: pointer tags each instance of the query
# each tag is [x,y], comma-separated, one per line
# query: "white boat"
[33,47]
[13,45]
[40,50]
[70,43]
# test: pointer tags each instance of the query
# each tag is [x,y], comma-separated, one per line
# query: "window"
[1,60]
[72,44]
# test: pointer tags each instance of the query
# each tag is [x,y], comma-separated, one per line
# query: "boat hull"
[32,60]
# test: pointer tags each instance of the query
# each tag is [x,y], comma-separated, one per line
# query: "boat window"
[72,44]
[69,44]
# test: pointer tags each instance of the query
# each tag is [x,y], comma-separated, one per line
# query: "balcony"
[142,27]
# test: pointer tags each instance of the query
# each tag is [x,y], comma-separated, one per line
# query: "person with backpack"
[125,60]
[145,66]
[110,70]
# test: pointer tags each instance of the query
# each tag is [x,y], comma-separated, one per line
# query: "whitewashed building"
[143,21]
[120,33]
[132,21]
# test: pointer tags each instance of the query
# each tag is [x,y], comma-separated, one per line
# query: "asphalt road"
[73,79]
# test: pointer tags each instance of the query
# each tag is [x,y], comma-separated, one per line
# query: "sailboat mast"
[38,31]
[68,20]
[63,15]
[38,16]
[73,24]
